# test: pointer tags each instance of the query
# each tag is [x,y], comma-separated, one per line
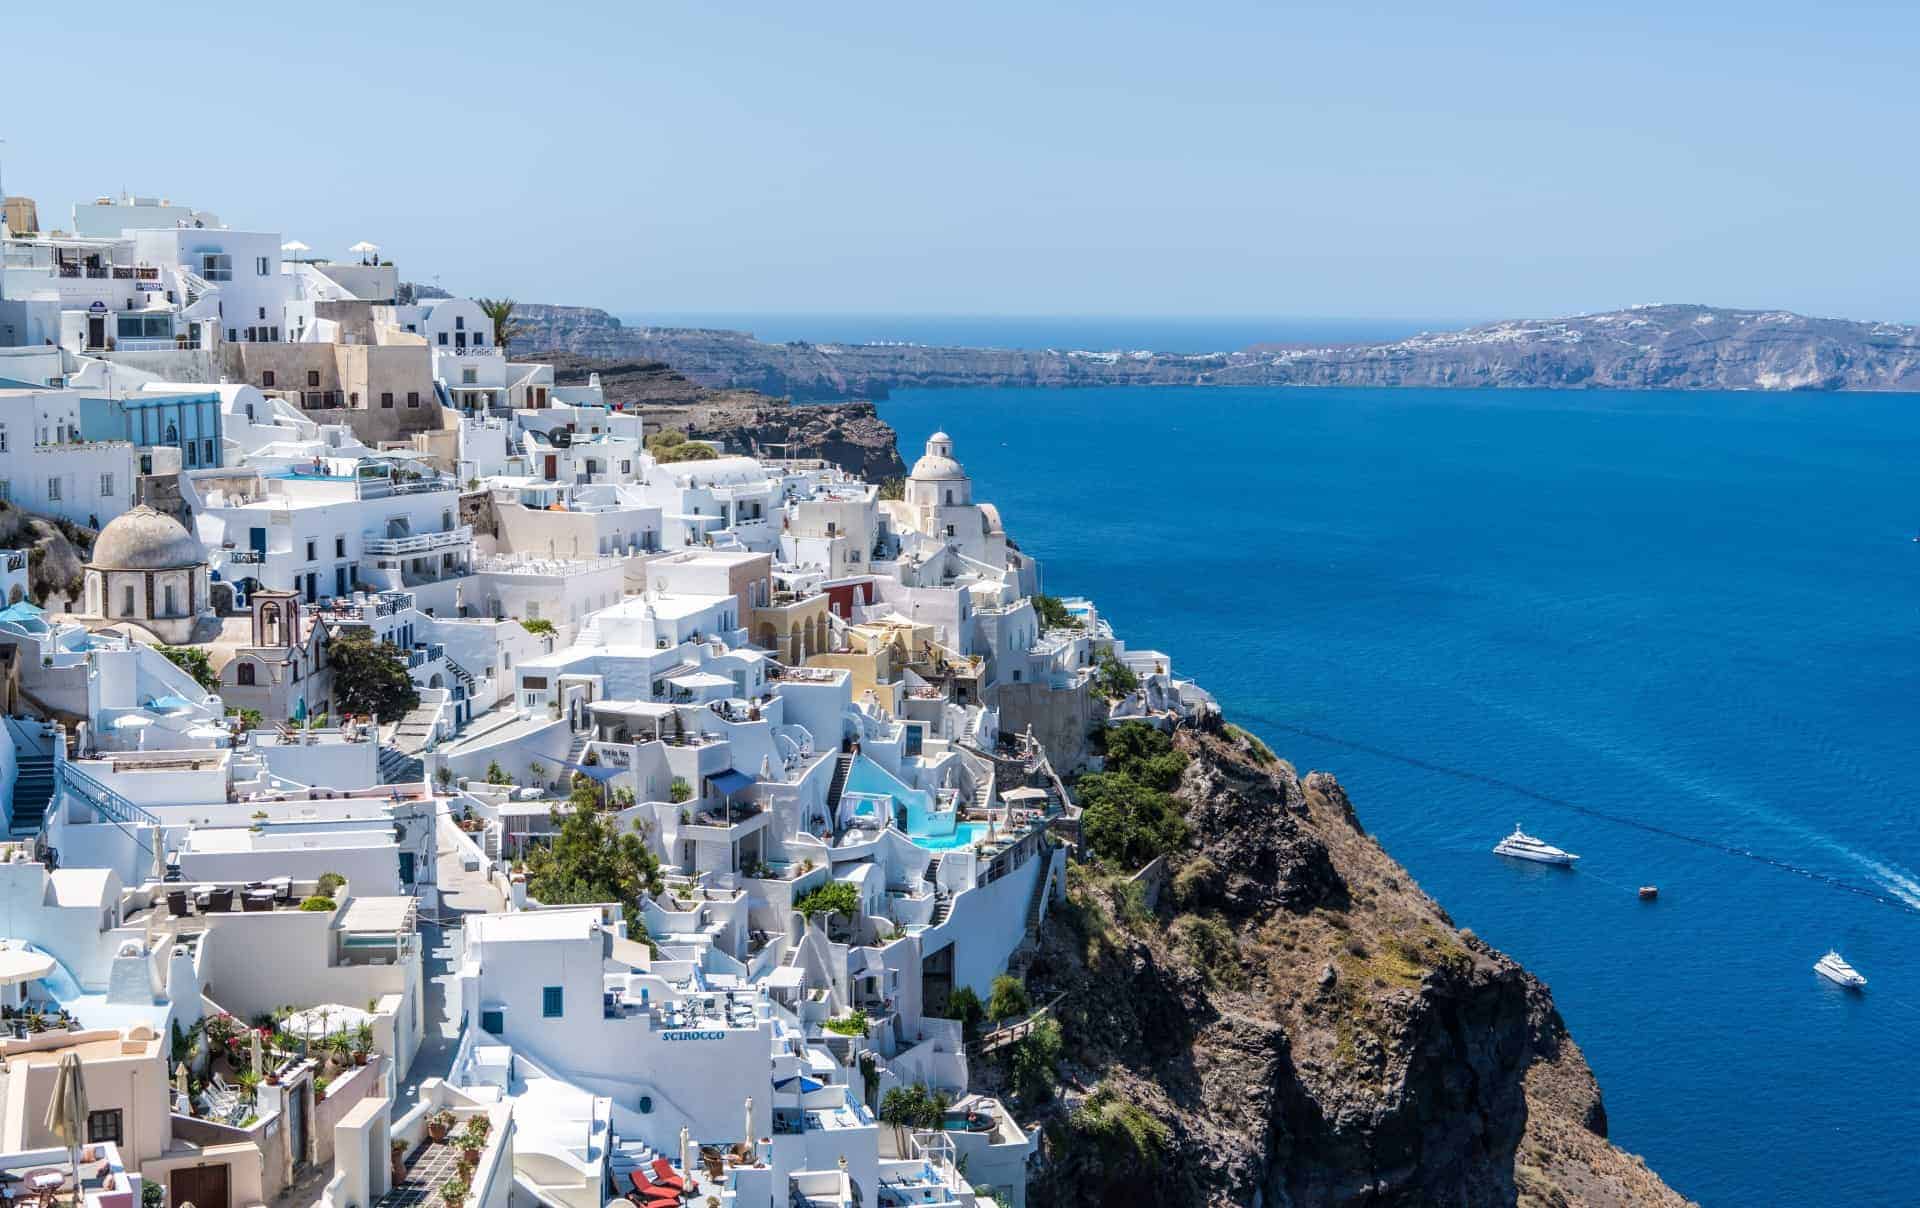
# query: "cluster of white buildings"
[287,956]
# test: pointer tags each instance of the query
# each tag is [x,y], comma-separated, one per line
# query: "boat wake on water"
[1895,890]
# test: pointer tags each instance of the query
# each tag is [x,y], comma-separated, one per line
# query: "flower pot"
[273,1080]
[399,1169]
[359,1058]
[470,1156]
[437,1131]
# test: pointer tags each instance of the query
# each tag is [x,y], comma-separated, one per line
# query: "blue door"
[257,540]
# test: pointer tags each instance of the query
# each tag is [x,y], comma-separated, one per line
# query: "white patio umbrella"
[748,1131]
[259,1065]
[293,247]
[686,1162]
[363,248]
[67,1111]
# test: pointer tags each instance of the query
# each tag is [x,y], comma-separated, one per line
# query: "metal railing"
[417,543]
[111,805]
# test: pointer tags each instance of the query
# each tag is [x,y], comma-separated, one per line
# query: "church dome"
[143,539]
[938,463]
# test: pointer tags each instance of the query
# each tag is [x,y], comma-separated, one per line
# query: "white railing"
[417,543]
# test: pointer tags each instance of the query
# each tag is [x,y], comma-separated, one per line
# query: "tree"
[893,488]
[538,626]
[964,1005]
[1008,999]
[1053,613]
[1125,821]
[506,328]
[193,660]
[1032,1061]
[906,1107]
[368,678]
[249,719]
[592,860]
[1114,679]
[496,774]
[1144,753]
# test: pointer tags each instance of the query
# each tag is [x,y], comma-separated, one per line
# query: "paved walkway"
[462,891]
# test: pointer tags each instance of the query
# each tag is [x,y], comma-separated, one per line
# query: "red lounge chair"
[665,1176]
[650,1194]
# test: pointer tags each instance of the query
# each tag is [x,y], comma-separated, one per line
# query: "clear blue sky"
[1199,158]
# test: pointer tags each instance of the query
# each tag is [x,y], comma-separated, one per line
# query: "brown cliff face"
[1309,1026]
[850,435]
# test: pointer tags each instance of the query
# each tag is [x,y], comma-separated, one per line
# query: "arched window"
[246,673]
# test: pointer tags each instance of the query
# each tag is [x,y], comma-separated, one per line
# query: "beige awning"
[19,965]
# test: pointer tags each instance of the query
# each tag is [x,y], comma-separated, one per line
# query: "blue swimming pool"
[963,836]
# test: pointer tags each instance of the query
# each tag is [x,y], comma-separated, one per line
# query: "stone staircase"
[398,767]
[577,749]
[842,768]
[460,673]
[32,794]
[942,907]
[932,875]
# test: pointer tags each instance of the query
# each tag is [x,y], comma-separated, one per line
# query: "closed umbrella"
[67,1113]
[686,1157]
[749,1131]
[259,1066]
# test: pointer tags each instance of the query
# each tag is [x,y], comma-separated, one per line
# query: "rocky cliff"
[851,435]
[1296,1023]
[1654,347]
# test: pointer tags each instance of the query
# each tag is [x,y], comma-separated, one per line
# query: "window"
[413,400]
[171,606]
[246,673]
[311,555]
[106,486]
[296,670]
[353,398]
[206,450]
[469,376]
[552,1002]
[216,266]
[273,333]
[459,322]
[53,488]
[126,609]
[3,438]
[493,1021]
[313,377]
[103,1126]
[533,610]
[263,312]
[443,339]
[626,467]
[266,379]
[339,547]
[232,335]
[386,399]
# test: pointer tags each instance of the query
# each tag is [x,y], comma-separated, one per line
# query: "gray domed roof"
[143,539]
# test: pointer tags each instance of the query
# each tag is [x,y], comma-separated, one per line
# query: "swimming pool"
[963,836]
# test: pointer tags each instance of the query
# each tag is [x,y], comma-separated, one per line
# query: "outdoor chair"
[257,899]
[664,1175]
[177,903]
[648,1193]
[219,901]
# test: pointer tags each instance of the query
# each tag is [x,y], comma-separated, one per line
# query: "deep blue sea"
[1694,611]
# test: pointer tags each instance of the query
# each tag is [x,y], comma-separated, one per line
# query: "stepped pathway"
[843,767]
[32,795]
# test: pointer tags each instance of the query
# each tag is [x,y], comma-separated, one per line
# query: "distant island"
[1681,347]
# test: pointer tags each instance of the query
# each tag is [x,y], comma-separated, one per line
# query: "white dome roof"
[938,463]
[143,539]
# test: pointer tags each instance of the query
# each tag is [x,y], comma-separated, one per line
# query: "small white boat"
[1522,846]
[1839,972]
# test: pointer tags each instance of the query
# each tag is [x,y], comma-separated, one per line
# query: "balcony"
[417,543]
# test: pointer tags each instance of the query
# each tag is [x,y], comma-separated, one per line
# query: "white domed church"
[148,571]
[939,498]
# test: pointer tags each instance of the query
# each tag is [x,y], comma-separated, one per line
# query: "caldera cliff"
[1289,1020]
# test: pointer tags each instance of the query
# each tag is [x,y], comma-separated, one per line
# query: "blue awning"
[21,610]
[731,782]
[598,771]
[804,1084]
[171,704]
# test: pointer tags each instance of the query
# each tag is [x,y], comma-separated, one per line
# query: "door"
[96,332]
[313,597]
[201,1186]
[553,467]
[339,580]
[406,868]
[257,540]
[296,1131]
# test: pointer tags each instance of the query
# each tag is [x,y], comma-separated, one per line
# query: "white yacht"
[1839,972]
[1522,846]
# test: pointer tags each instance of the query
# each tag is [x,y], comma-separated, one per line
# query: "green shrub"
[317,902]
[1193,881]
[1122,1132]
[1032,1061]
[1053,613]
[1113,679]
[850,1025]
[1209,944]
[539,626]
[964,1005]
[679,790]
[1261,752]
[839,897]
[1008,998]
[1127,822]
[330,883]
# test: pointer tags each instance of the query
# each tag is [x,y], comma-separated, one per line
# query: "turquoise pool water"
[963,836]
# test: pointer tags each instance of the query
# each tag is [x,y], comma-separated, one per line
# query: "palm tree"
[505,326]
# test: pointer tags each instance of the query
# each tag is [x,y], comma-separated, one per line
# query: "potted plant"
[439,1124]
[320,1085]
[362,1043]
[454,1191]
[398,1156]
